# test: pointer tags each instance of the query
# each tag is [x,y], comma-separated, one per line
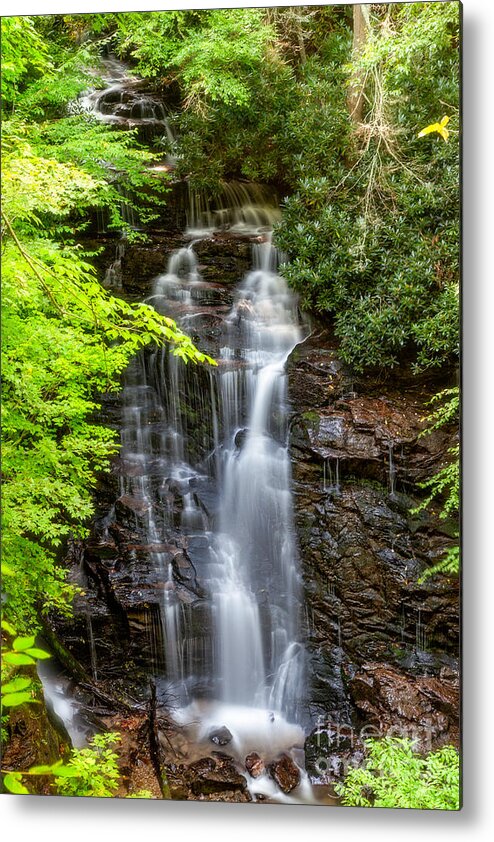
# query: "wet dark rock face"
[223,259]
[383,648]
[116,567]
[424,706]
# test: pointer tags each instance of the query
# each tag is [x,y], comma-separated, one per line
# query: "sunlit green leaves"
[12,782]
[15,699]
[18,659]
[215,55]
[32,186]
[395,775]
[16,685]
[65,341]
[24,55]
[18,689]
[22,652]
[91,771]
[22,643]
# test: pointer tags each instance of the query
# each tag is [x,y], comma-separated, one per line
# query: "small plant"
[91,771]
[21,653]
[17,689]
[445,484]
[394,775]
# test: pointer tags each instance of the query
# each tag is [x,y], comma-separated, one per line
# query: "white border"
[78,820]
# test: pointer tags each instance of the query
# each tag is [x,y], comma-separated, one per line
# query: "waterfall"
[247,556]
[240,665]
[256,579]
[113,276]
[205,485]
[391,471]
[241,208]
[123,102]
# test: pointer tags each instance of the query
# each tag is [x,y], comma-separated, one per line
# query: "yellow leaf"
[439,128]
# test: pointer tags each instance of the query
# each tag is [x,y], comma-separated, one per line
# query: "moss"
[311,418]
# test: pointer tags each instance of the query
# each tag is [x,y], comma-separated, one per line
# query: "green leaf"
[44,770]
[68,772]
[11,700]
[12,782]
[16,685]
[6,626]
[7,571]
[22,643]
[38,653]
[18,659]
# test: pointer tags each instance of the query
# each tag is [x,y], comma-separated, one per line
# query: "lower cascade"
[240,667]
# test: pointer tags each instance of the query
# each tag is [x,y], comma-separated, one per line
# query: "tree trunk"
[357,81]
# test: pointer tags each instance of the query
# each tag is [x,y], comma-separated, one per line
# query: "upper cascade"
[128,102]
[239,208]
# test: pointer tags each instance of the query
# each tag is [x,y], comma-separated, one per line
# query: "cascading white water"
[242,665]
[254,574]
[250,659]
[248,556]
[241,208]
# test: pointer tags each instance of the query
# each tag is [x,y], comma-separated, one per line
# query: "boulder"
[285,772]
[254,764]
[213,775]
[221,736]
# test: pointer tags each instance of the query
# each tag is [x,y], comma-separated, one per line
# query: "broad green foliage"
[65,340]
[234,83]
[33,185]
[114,160]
[41,69]
[22,652]
[215,55]
[24,56]
[394,775]
[373,235]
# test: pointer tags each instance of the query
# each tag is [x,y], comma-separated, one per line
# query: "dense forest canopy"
[299,97]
